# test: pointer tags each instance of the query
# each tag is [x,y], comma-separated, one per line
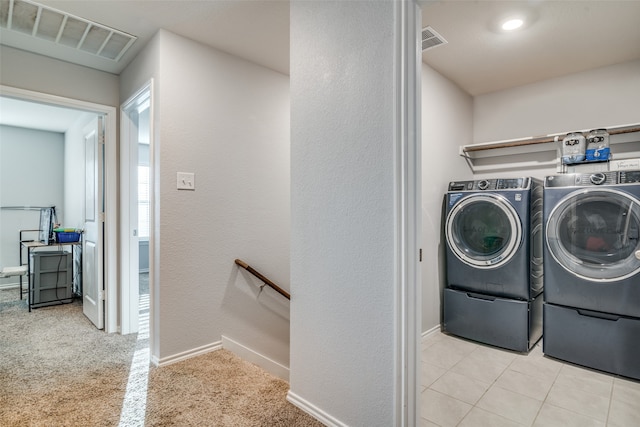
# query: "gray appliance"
[592,270]
[493,233]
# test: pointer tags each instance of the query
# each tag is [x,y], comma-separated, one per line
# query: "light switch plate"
[186,181]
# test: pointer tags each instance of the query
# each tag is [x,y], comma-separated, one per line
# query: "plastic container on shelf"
[597,145]
[573,148]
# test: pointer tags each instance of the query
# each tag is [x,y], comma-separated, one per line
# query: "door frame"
[110,191]
[130,294]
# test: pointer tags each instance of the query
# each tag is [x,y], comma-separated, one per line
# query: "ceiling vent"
[431,39]
[46,23]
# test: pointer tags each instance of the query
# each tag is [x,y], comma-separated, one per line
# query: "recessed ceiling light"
[512,24]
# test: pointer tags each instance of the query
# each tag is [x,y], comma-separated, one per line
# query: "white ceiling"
[566,36]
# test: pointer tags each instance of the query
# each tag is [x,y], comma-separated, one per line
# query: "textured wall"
[598,98]
[227,121]
[447,123]
[342,196]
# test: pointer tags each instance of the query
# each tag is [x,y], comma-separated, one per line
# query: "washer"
[592,270]
[493,233]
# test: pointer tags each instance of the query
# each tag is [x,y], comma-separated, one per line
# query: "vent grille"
[431,39]
[46,23]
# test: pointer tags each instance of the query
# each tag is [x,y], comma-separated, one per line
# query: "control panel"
[490,184]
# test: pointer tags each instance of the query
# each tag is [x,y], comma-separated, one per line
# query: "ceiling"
[565,37]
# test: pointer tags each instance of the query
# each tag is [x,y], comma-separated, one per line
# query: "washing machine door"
[483,230]
[594,234]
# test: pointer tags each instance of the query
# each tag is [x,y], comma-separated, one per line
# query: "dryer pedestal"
[501,322]
[600,341]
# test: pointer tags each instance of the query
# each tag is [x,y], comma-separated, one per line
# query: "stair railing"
[263,278]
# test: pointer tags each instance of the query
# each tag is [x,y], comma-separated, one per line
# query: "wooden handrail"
[263,278]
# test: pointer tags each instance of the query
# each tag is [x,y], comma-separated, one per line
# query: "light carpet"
[57,369]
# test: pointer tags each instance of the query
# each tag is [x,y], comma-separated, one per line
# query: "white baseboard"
[186,354]
[430,332]
[245,353]
[314,411]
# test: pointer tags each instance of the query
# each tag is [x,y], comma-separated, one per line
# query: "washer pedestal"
[596,340]
[502,322]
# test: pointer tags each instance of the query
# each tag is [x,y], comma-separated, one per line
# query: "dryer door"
[594,234]
[483,230]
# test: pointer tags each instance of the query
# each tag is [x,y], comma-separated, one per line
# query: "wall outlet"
[186,181]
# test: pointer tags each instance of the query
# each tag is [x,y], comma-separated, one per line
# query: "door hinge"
[420,255]
[101,296]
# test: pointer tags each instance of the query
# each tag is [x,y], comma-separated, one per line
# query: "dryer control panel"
[490,184]
[592,179]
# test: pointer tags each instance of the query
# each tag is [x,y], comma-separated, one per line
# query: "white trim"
[256,358]
[111,190]
[407,71]
[314,411]
[178,357]
[130,294]
[429,332]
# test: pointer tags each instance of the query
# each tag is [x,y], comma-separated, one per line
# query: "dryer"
[493,233]
[592,270]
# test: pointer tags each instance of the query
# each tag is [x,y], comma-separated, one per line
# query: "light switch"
[186,181]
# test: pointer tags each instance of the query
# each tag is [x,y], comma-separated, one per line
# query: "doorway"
[110,318]
[135,213]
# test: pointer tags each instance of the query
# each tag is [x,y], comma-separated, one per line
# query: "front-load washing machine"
[592,270]
[493,233]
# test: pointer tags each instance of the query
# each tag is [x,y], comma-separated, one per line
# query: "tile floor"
[473,385]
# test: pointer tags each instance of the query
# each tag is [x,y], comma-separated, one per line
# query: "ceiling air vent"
[431,39]
[43,22]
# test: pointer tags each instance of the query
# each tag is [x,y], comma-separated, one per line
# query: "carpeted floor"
[57,369]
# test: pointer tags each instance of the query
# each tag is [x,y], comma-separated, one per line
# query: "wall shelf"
[542,151]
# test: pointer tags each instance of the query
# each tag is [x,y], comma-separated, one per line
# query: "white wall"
[31,174]
[38,73]
[342,197]
[227,121]
[447,123]
[598,98]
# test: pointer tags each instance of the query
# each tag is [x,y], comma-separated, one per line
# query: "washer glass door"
[594,234]
[483,230]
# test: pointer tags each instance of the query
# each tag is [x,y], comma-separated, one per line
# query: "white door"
[92,244]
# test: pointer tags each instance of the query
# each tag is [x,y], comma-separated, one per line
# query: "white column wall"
[343,322]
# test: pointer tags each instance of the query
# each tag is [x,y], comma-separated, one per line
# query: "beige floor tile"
[445,353]
[427,423]
[494,354]
[626,391]
[511,405]
[624,414]
[480,418]
[580,401]
[553,416]
[542,367]
[584,379]
[480,368]
[532,386]
[430,373]
[441,409]
[460,387]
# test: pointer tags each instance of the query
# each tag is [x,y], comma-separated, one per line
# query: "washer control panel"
[490,184]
